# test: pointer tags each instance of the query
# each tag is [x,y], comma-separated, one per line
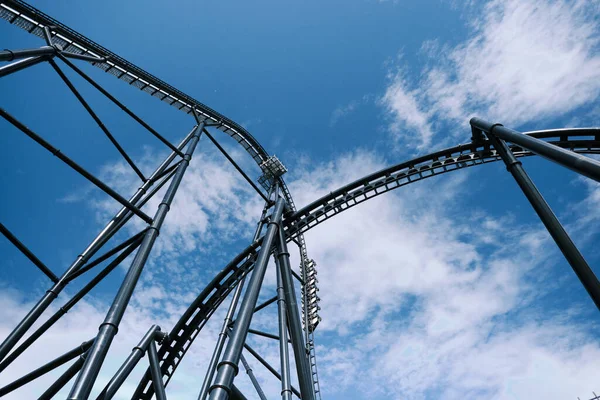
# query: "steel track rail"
[584,141]
[33,20]
[580,140]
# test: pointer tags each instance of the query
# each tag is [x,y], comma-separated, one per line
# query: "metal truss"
[241,279]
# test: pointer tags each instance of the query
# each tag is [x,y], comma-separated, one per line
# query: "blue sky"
[449,288]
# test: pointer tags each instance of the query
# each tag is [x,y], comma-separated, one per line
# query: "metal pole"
[125,369]
[120,105]
[553,225]
[9,55]
[56,152]
[228,367]
[157,382]
[57,362]
[284,356]
[576,162]
[302,367]
[66,307]
[86,378]
[63,379]
[269,367]
[259,390]
[228,318]
[21,64]
[107,232]
[237,167]
[27,253]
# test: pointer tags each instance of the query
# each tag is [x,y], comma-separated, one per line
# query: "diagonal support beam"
[561,237]
[67,306]
[269,367]
[98,120]
[120,105]
[32,257]
[237,167]
[56,152]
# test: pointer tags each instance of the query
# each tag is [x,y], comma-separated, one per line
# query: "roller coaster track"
[583,141]
[33,20]
[296,222]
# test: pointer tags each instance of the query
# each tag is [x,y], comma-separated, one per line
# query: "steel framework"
[242,278]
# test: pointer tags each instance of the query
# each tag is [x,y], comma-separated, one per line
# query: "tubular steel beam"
[237,167]
[66,307]
[583,165]
[63,379]
[105,234]
[228,319]
[120,105]
[550,221]
[8,55]
[259,390]
[228,367]
[86,378]
[74,165]
[21,64]
[57,362]
[98,120]
[284,356]
[135,238]
[82,57]
[263,334]
[157,382]
[125,369]
[269,367]
[266,303]
[27,253]
[295,324]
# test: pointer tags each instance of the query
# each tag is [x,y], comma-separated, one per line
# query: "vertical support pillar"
[302,367]
[210,372]
[228,367]
[553,225]
[284,356]
[86,378]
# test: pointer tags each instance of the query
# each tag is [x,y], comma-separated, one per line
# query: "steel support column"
[295,324]
[229,316]
[86,378]
[228,367]
[553,225]
[284,356]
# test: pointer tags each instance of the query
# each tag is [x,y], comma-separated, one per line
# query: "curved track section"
[585,141]
[582,140]
[33,20]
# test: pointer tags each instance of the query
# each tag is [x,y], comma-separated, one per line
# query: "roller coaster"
[280,224]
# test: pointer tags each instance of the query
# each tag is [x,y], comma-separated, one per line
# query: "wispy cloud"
[524,61]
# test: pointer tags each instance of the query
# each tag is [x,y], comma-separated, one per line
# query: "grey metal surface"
[227,368]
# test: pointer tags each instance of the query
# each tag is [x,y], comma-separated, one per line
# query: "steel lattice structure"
[280,223]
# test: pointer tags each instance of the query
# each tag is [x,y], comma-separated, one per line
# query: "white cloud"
[524,61]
